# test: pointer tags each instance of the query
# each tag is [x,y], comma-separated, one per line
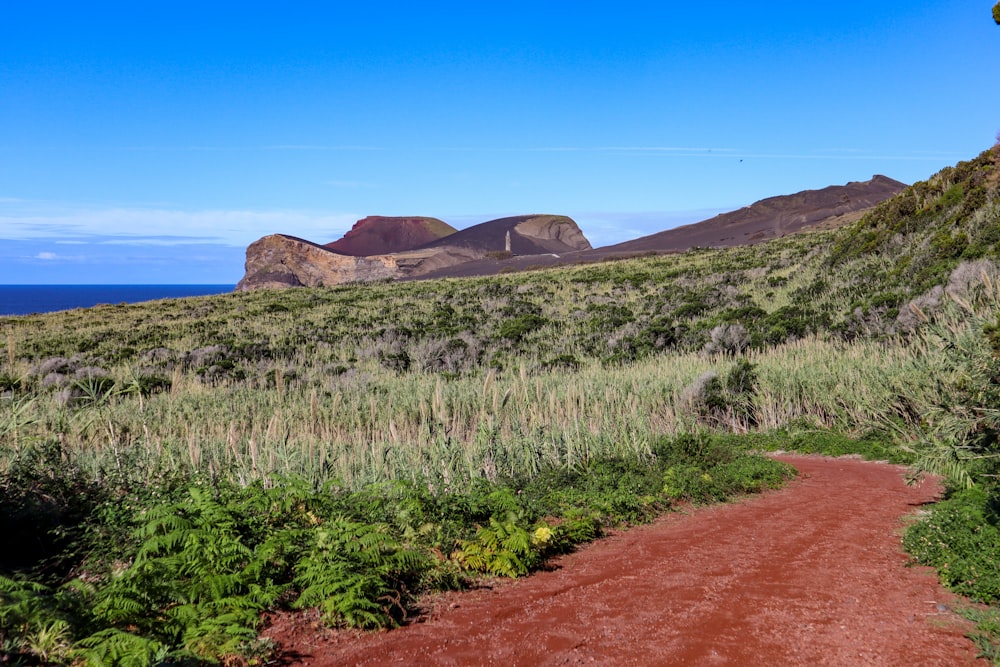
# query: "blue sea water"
[29,299]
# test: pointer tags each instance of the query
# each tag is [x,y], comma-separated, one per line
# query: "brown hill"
[382,235]
[279,260]
[537,241]
[769,218]
[529,235]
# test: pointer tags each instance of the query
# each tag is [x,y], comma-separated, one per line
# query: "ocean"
[29,299]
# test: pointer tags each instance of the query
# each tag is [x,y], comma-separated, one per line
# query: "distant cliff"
[285,261]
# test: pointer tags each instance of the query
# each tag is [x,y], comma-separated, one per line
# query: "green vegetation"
[183,573]
[171,470]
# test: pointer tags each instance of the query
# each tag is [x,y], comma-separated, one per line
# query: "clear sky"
[151,142]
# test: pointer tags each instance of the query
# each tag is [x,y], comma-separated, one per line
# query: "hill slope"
[529,235]
[380,248]
[382,235]
[769,218]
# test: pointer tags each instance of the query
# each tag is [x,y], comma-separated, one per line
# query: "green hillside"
[175,468]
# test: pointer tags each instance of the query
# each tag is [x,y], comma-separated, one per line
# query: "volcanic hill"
[393,248]
[286,261]
[382,235]
[769,218]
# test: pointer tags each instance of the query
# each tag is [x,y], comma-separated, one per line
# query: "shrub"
[561,362]
[728,402]
[744,473]
[357,574]
[727,339]
[515,330]
[44,504]
[960,538]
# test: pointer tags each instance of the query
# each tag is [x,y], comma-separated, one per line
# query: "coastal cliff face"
[553,228]
[279,260]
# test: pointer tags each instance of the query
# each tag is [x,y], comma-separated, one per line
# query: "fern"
[117,648]
[503,548]
[38,620]
[357,574]
[194,585]
[21,601]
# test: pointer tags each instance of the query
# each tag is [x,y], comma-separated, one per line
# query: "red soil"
[813,574]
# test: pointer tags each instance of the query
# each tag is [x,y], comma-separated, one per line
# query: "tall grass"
[375,425]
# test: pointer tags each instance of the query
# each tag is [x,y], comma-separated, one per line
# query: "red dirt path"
[813,574]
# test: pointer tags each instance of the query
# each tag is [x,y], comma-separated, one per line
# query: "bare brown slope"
[529,235]
[768,218]
[382,235]
[810,575]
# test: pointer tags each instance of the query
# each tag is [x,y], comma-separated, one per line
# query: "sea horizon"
[37,299]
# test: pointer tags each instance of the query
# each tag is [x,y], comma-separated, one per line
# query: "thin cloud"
[731,153]
[311,147]
[667,149]
[117,226]
[48,256]
[711,152]
[351,185]
[159,241]
[199,149]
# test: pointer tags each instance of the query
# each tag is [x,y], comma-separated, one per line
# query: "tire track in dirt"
[813,574]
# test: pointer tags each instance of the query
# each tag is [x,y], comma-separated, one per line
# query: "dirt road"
[813,574]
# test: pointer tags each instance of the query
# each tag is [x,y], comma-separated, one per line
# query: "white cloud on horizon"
[158,226]
[33,262]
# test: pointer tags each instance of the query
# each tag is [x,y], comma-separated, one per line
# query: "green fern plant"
[194,585]
[502,548]
[118,648]
[39,621]
[22,610]
[357,574]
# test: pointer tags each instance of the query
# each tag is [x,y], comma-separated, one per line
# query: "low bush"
[817,441]
[960,538]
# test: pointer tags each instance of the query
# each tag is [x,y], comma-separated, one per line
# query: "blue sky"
[152,142]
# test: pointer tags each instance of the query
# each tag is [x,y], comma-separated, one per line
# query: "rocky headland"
[394,248]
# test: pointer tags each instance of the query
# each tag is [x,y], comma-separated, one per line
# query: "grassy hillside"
[346,448]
